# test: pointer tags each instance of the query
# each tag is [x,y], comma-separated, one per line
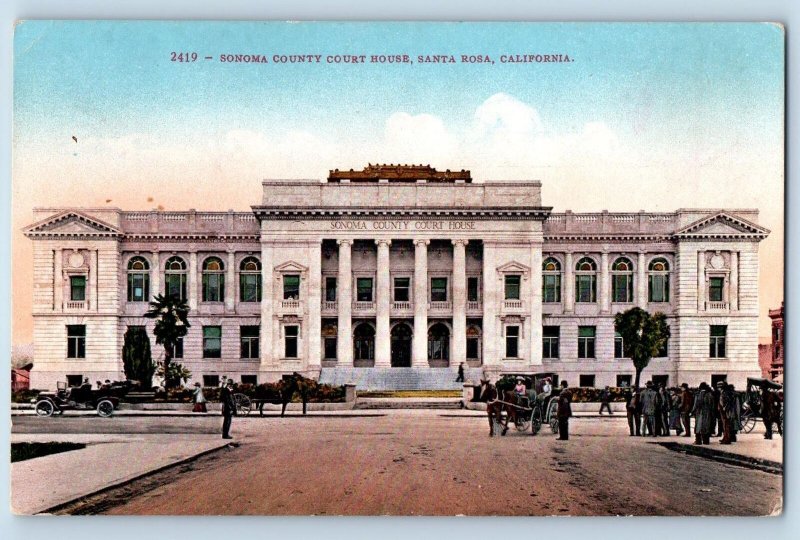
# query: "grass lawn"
[23,451]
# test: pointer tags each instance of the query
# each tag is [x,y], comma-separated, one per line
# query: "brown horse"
[287,387]
[495,407]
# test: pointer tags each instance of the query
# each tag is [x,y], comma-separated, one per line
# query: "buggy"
[751,408]
[104,400]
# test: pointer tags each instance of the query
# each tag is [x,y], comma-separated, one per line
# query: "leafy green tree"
[643,336]
[136,357]
[172,323]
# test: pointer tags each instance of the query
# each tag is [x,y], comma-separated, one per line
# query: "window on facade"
[74,380]
[586,341]
[364,289]
[663,352]
[212,342]
[718,377]
[401,289]
[330,289]
[512,287]
[329,347]
[439,289]
[76,341]
[213,280]
[248,337]
[622,281]
[550,341]
[512,341]
[291,338]
[551,280]
[660,380]
[619,346]
[472,289]
[658,281]
[138,280]
[177,350]
[586,381]
[586,280]
[210,381]
[250,379]
[624,381]
[439,342]
[175,278]
[364,342]
[250,280]
[77,288]
[717,343]
[716,287]
[291,287]
[473,343]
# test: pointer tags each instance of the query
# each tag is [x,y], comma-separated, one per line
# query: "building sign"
[401,225]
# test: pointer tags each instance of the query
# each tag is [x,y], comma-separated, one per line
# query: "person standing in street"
[460,377]
[564,411]
[199,399]
[725,412]
[666,406]
[675,412]
[605,401]
[704,414]
[649,404]
[736,422]
[632,410]
[687,403]
[770,411]
[228,408]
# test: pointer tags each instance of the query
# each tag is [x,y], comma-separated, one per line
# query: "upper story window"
[250,280]
[175,278]
[213,280]
[138,280]
[76,341]
[364,289]
[622,281]
[402,286]
[77,288]
[718,336]
[473,289]
[330,289]
[512,286]
[586,280]
[439,289]
[716,289]
[551,280]
[658,281]
[291,287]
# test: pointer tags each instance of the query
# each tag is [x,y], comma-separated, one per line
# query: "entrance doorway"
[401,345]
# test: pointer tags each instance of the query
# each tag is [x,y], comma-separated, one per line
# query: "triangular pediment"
[291,266]
[514,267]
[71,223]
[722,225]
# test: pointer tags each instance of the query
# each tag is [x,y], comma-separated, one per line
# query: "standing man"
[666,405]
[605,398]
[704,414]
[769,410]
[687,402]
[460,377]
[726,411]
[228,408]
[633,412]
[564,411]
[649,406]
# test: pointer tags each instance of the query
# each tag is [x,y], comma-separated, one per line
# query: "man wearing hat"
[649,400]
[687,401]
[564,411]
[228,408]
[703,413]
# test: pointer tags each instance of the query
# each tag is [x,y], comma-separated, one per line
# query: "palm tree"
[171,315]
[643,336]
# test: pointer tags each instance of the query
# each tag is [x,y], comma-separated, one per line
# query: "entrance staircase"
[397,378]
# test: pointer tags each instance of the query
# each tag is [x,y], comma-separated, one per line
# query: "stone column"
[313,326]
[230,283]
[569,283]
[641,282]
[605,284]
[155,275]
[701,280]
[344,305]
[383,342]
[267,291]
[733,286]
[58,280]
[419,355]
[93,282]
[191,281]
[459,303]
[536,304]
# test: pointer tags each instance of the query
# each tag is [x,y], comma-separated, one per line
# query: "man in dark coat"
[687,402]
[770,410]
[633,409]
[716,422]
[605,401]
[726,412]
[228,408]
[704,407]
[564,411]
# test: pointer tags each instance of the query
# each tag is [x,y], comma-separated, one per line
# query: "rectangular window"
[718,377]
[364,289]
[585,288]
[330,348]
[512,287]
[473,348]
[138,288]
[622,288]
[715,289]
[175,286]
[401,289]
[660,380]
[291,335]
[550,338]
[512,341]
[439,289]
[76,341]
[212,342]
[586,381]
[213,287]
[249,288]
[663,352]
[717,343]
[472,289]
[658,289]
[330,289]
[551,288]
[586,337]
[177,351]
[619,346]
[624,381]
[250,379]
[248,336]
[74,381]
[77,288]
[291,287]
[211,381]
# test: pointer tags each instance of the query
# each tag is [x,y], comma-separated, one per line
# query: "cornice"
[494,213]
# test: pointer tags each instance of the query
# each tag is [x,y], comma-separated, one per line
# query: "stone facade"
[777,349]
[404,267]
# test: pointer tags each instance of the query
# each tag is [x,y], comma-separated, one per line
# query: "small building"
[776,365]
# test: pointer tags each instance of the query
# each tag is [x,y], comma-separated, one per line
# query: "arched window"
[213,280]
[175,278]
[439,342]
[138,280]
[658,281]
[622,281]
[551,280]
[586,280]
[364,342]
[250,280]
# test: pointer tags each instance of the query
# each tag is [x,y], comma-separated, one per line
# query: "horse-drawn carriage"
[752,406]
[533,409]
[105,399]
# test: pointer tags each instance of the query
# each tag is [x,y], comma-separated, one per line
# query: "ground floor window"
[717,341]
[512,341]
[586,381]
[550,341]
[76,341]
[619,346]
[210,380]
[624,381]
[439,342]
[718,377]
[248,336]
[74,380]
[586,339]
[364,342]
[661,380]
[330,348]
[177,350]
[250,379]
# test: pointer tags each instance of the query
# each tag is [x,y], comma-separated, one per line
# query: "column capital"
[459,241]
[421,242]
[345,242]
[385,241]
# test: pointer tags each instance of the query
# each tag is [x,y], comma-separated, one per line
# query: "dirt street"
[433,463]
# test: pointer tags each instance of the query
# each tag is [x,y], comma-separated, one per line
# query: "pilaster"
[383,353]
[419,346]
[344,305]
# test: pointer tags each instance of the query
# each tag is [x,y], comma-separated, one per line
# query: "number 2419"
[183,56]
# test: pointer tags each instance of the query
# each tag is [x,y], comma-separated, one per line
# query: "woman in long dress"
[199,399]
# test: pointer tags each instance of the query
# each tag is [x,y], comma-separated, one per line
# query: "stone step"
[408,403]
[378,379]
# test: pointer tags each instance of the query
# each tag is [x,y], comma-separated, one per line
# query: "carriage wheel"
[105,408]
[536,420]
[748,422]
[243,404]
[44,407]
[522,422]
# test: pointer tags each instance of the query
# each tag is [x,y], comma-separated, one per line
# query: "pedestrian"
[199,399]
[228,408]
[716,422]
[666,406]
[675,412]
[727,411]
[564,411]
[770,411]
[605,399]
[633,411]
[649,403]
[704,414]
[460,377]
[736,424]
[687,403]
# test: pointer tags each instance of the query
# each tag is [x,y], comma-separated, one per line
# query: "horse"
[495,407]
[290,384]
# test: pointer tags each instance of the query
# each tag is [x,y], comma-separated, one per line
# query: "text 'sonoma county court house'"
[398,270]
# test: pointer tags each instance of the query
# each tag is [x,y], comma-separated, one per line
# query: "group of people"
[226,399]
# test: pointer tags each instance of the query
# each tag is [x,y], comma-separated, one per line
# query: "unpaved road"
[435,463]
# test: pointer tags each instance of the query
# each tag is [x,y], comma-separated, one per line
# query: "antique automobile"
[104,400]
[751,408]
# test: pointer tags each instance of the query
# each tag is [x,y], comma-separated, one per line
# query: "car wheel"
[105,408]
[44,407]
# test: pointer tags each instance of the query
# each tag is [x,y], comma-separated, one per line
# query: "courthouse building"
[398,269]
